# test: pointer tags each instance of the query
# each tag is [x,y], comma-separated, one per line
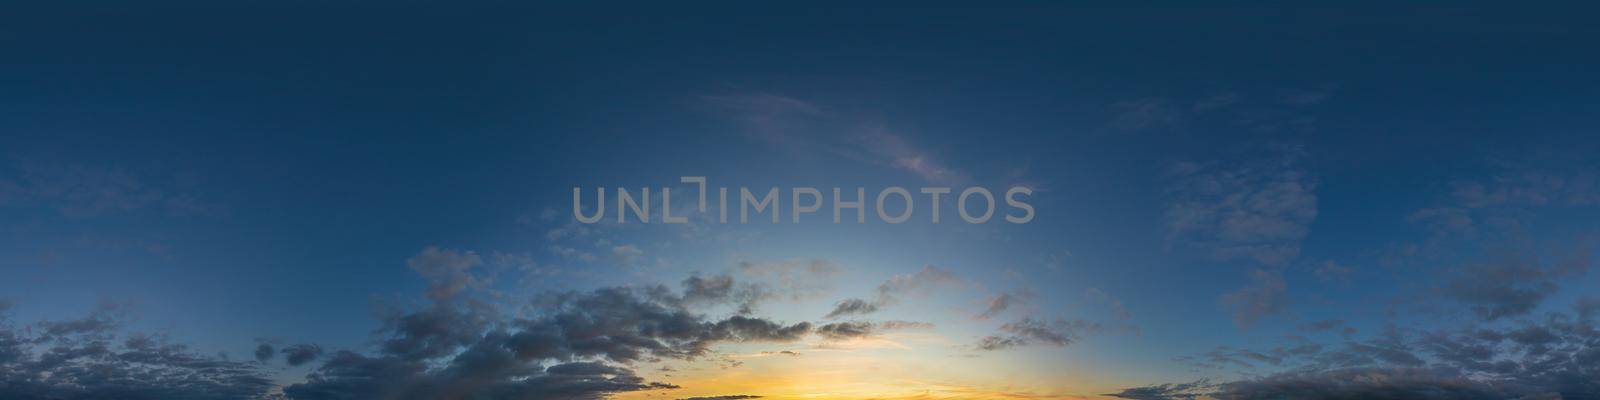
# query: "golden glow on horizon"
[895,366]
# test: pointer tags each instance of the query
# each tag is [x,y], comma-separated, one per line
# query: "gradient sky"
[1239,196]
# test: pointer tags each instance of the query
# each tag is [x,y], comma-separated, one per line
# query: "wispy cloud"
[890,291]
[83,190]
[1029,331]
[1144,114]
[1267,294]
[1258,210]
[797,125]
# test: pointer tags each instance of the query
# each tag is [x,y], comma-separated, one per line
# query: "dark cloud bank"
[585,344]
[578,345]
[575,345]
[1555,356]
[87,359]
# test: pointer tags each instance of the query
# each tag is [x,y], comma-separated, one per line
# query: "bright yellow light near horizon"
[888,367]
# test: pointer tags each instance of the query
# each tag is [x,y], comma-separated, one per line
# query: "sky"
[314,201]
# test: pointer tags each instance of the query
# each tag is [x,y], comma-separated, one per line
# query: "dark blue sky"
[1252,177]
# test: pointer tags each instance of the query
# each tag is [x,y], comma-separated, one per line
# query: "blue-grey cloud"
[1556,357]
[1259,210]
[1167,391]
[890,291]
[1029,331]
[264,352]
[300,354]
[574,346]
[856,329]
[92,358]
[798,125]
[1267,294]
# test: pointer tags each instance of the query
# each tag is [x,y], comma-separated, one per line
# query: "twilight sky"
[300,201]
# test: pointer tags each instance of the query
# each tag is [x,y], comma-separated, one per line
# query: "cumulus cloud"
[890,291]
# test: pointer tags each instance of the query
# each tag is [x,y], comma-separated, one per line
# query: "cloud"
[852,307]
[769,117]
[1586,307]
[881,144]
[1329,271]
[1555,357]
[797,125]
[1367,383]
[264,352]
[573,345]
[1306,98]
[82,191]
[1504,202]
[1256,210]
[859,329]
[1266,295]
[1144,114]
[90,358]
[1444,219]
[570,253]
[1029,331]
[717,290]
[447,270]
[1099,296]
[1530,187]
[724,397]
[1326,325]
[1217,102]
[1002,302]
[350,375]
[890,291]
[627,254]
[1169,391]
[844,330]
[1509,286]
[300,354]
[798,279]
